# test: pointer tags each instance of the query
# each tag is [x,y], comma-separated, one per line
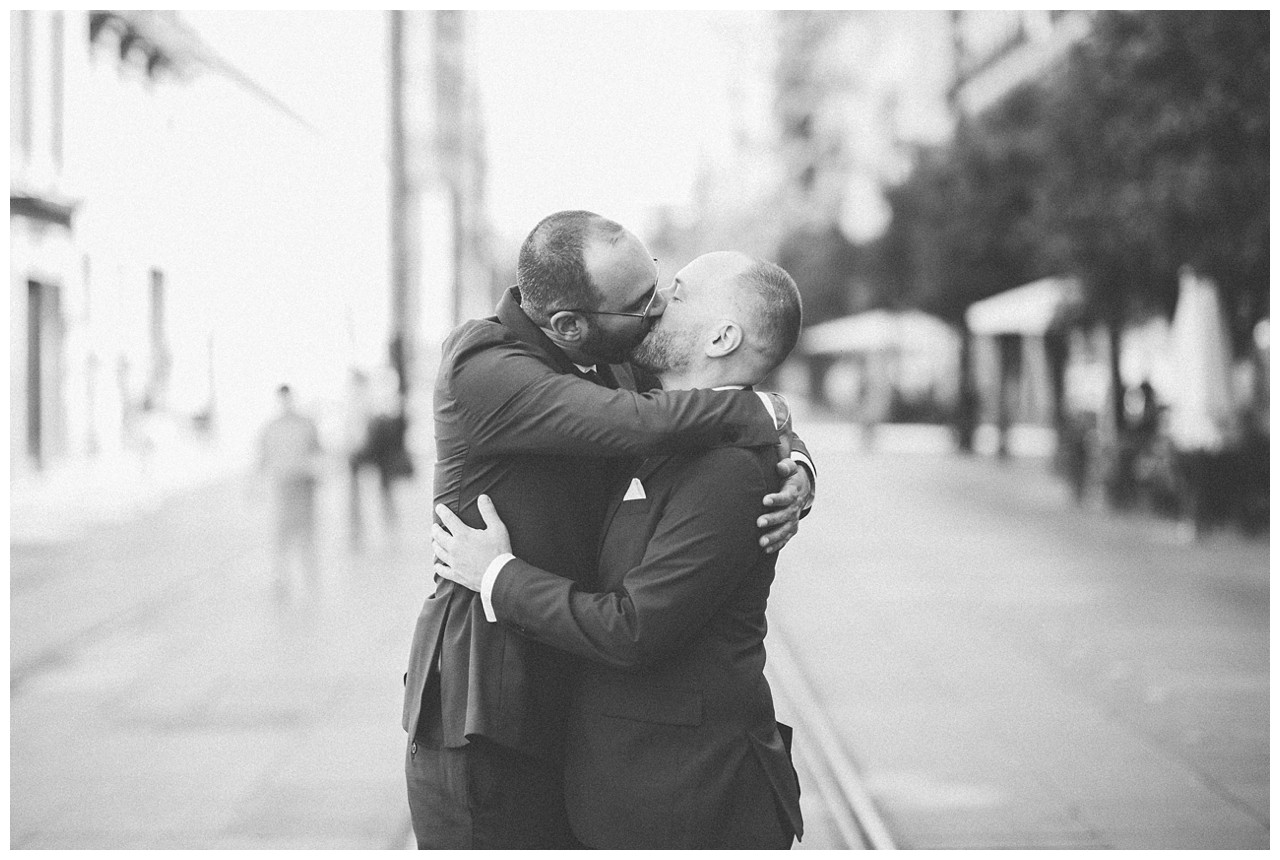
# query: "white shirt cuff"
[799,457]
[487,581]
[768,404]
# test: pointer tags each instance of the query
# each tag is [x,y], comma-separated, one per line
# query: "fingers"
[774,519]
[440,536]
[441,554]
[775,540]
[444,571]
[784,498]
[450,519]
[794,490]
[441,544]
[489,513]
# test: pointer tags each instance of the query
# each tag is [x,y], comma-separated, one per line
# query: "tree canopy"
[1147,149]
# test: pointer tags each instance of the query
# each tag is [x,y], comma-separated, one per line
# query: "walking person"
[359,414]
[537,408]
[376,437]
[288,457]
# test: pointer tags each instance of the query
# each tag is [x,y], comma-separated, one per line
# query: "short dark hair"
[551,272]
[776,307]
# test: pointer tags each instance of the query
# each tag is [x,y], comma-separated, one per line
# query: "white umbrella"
[1202,413]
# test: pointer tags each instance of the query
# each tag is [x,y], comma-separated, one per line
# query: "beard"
[662,351]
[611,348]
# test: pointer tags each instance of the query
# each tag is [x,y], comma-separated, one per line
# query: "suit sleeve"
[514,402]
[646,381]
[703,546]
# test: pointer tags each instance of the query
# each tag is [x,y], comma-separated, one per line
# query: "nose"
[659,303]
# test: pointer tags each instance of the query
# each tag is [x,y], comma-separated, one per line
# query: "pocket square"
[635,491]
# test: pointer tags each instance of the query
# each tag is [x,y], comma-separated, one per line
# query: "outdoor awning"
[1033,308]
[877,331]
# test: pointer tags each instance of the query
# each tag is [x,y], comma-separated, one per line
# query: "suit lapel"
[607,375]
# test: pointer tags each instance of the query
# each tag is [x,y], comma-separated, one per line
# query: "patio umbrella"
[1202,412]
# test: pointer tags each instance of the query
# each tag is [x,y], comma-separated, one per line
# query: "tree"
[1157,155]
[1148,149]
[823,263]
[964,226]
[964,223]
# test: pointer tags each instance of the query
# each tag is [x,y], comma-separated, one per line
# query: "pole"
[401,200]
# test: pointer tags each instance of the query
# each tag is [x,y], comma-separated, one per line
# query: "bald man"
[537,408]
[672,741]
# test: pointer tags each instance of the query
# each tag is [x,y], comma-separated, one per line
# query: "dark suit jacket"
[514,419]
[672,739]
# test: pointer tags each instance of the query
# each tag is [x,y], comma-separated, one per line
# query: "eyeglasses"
[644,314]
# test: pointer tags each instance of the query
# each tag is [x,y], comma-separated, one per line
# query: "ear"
[726,337]
[568,326]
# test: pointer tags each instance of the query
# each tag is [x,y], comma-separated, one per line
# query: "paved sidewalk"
[161,697]
[1007,671]
[1010,671]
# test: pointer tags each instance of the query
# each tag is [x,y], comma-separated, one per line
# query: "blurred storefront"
[1043,376]
[886,367]
[1021,362]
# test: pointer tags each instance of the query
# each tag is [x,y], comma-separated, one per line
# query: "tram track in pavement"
[819,753]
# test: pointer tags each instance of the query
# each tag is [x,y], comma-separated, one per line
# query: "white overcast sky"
[602,110]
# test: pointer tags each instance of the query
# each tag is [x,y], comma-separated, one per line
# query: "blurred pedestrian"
[388,452]
[360,412]
[1147,422]
[377,439]
[289,458]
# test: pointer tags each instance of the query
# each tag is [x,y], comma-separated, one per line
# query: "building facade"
[996,50]
[89,342]
[167,269]
[856,92]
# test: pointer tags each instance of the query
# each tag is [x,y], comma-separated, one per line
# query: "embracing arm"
[512,401]
[703,546]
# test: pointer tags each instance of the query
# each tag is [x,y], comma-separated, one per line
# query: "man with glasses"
[536,408]
[672,739]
